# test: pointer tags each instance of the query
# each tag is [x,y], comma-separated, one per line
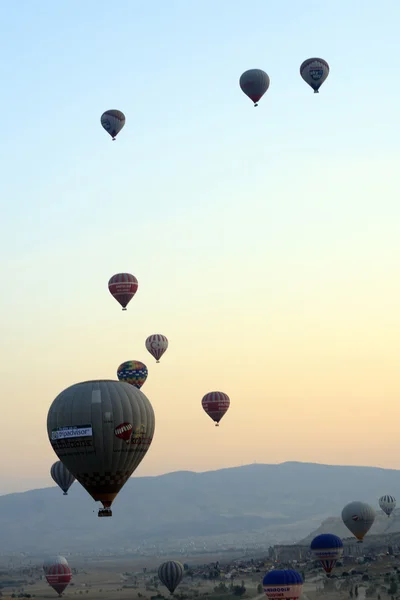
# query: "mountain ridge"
[244,506]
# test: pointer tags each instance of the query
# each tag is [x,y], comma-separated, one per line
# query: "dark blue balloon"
[325,541]
[282,577]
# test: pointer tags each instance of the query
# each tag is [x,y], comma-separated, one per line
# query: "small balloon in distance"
[112,121]
[123,286]
[170,574]
[215,404]
[314,71]
[133,372]
[62,477]
[156,344]
[254,83]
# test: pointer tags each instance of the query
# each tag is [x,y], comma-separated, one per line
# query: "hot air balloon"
[254,83]
[216,404]
[314,71]
[358,518]
[57,573]
[101,430]
[123,287]
[285,583]
[170,574]
[63,478]
[157,344]
[328,548]
[113,121]
[387,504]
[133,372]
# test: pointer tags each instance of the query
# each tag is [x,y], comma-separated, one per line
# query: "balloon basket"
[105,512]
[65,494]
[216,424]
[124,309]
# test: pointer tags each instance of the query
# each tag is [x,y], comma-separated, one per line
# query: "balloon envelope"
[113,121]
[254,83]
[314,71]
[285,583]
[63,478]
[133,372]
[170,574]
[215,404]
[123,286]
[157,344]
[328,548]
[54,560]
[101,430]
[358,518]
[387,504]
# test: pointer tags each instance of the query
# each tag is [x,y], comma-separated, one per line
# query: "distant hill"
[254,504]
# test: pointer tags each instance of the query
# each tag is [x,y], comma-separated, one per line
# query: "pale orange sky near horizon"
[265,241]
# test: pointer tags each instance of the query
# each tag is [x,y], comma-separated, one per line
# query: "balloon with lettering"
[327,548]
[133,372]
[358,518]
[113,121]
[254,83]
[63,478]
[286,584]
[314,71]
[170,574]
[157,344]
[387,504]
[101,430]
[215,405]
[123,286]
[58,573]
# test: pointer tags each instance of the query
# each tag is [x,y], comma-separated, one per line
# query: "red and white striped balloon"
[157,344]
[58,574]
[215,405]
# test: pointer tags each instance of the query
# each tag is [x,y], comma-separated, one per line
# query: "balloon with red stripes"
[58,573]
[157,344]
[215,405]
[123,286]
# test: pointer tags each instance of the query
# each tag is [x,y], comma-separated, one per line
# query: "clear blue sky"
[258,236]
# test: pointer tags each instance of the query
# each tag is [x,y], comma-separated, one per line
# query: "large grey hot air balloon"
[358,518]
[101,430]
[170,574]
[254,83]
[63,478]
[314,71]
[387,504]
[113,121]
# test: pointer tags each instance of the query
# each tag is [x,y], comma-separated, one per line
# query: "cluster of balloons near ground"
[254,83]
[101,430]
[358,518]
[285,583]
[278,583]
